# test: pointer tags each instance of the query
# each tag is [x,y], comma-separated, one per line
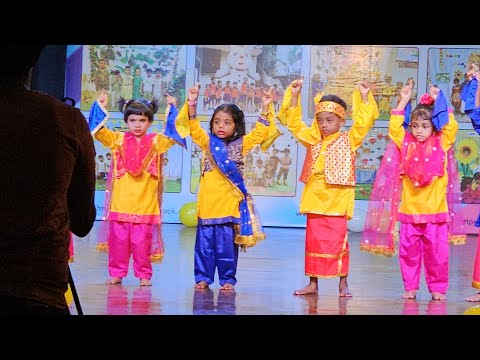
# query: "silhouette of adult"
[47,179]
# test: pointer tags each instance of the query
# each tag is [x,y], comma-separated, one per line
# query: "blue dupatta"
[250,229]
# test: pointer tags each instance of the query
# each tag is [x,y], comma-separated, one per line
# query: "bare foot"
[412,294]
[438,296]
[201,285]
[343,287]
[309,289]
[345,292]
[227,286]
[474,298]
[145,282]
[114,281]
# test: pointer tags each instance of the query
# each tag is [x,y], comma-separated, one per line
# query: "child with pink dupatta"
[417,184]
[133,198]
[471,96]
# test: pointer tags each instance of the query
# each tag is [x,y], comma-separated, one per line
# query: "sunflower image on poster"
[468,161]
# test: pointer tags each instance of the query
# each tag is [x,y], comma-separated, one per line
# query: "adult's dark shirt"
[47,186]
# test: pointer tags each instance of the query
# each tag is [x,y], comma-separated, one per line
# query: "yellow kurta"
[318,197]
[430,199]
[134,195]
[217,197]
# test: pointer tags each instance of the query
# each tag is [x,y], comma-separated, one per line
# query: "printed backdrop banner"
[239,74]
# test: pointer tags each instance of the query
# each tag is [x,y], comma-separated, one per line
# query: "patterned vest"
[339,161]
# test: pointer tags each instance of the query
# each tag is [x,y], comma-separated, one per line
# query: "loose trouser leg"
[410,255]
[141,240]
[118,248]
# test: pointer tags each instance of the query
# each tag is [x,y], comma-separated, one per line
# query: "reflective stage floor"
[267,276]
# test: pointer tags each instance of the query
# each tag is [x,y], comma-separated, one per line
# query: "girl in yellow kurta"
[134,196]
[424,179]
[226,217]
[329,177]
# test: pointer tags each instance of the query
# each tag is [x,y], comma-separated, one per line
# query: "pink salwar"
[127,238]
[427,242]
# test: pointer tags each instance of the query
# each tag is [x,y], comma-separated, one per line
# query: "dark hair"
[16,62]
[425,112]
[138,107]
[238,119]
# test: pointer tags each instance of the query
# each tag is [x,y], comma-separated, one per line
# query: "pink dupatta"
[379,236]
[134,166]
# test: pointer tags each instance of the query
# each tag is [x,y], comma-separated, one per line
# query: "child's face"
[329,123]
[138,125]
[223,125]
[421,129]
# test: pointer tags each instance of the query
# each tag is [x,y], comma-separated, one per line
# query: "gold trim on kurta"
[378,250]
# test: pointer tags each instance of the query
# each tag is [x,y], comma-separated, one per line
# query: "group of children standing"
[418,187]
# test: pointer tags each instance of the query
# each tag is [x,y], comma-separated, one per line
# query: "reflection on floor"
[267,276]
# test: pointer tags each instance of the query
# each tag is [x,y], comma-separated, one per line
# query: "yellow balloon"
[69,296]
[475,310]
[188,214]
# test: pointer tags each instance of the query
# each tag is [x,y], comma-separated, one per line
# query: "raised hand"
[267,97]
[297,86]
[103,98]
[171,100]
[433,91]
[406,92]
[364,87]
[473,71]
[405,96]
[193,93]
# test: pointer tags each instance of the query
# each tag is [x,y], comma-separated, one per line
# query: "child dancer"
[227,217]
[423,176]
[329,176]
[134,190]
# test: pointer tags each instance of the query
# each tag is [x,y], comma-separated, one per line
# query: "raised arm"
[474,114]
[103,134]
[291,116]
[364,113]
[449,131]
[260,131]
[198,134]
[396,131]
